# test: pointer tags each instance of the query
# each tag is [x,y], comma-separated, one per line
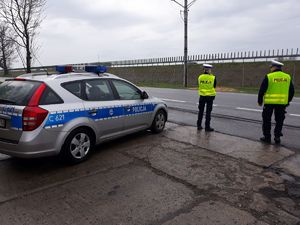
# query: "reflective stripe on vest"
[278,88]
[206,85]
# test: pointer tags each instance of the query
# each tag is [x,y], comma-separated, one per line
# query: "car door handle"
[93,112]
[127,108]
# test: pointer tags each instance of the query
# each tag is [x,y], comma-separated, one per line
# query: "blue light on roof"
[64,69]
[95,69]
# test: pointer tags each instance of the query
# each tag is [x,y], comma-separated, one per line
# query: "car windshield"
[16,92]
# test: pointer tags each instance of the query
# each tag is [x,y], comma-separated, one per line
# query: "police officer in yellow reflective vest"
[207,84]
[276,92]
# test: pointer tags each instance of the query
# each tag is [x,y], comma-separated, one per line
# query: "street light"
[186,7]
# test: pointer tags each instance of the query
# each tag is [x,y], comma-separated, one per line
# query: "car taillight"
[34,101]
[33,117]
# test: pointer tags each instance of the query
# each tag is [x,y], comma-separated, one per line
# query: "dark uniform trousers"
[279,111]
[208,101]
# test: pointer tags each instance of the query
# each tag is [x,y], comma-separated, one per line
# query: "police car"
[68,113]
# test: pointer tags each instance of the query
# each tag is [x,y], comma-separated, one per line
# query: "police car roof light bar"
[95,69]
[64,69]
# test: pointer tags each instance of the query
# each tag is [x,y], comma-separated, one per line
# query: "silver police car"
[69,113]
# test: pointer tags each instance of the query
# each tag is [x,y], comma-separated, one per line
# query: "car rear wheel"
[159,122]
[78,146]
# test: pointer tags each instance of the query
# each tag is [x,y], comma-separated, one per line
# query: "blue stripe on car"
[58,119]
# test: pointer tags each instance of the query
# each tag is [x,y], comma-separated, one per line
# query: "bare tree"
[7,47]
[24,16]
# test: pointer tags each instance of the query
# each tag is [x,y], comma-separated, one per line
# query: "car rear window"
[49,97]
[17,92]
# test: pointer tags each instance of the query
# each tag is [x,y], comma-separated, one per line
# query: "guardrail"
[280,54]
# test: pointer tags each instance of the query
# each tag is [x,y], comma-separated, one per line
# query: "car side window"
[126,91]
[74,88]
[98,90]
[49,97]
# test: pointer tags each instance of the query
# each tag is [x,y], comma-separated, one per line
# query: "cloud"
[248,25]
[77,31]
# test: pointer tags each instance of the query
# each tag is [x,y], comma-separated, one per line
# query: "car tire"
[78,146]
[159,122]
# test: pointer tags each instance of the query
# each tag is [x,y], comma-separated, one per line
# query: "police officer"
[207,84]
[276,92]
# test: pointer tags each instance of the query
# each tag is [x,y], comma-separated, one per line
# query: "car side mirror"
[144,95]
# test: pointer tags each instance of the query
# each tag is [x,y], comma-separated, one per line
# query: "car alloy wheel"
[159,122]
[80,145]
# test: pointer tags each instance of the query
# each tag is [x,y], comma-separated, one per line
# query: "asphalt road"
[178,177]
[234,114]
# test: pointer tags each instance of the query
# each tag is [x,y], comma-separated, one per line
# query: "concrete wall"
[228,74]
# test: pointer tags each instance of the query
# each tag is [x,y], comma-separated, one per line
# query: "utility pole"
[185,81]
[185,7]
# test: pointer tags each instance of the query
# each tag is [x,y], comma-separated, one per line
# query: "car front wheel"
[159,122]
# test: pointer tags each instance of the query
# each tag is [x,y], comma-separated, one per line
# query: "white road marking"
[214,105]
[259,110]
[295,115]
[173,100]
[247,109]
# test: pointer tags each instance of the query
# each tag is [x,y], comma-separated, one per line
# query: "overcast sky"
[76,31]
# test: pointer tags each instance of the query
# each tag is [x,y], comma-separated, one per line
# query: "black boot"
[199,127]
[277,140]
[266,140]
[209,129]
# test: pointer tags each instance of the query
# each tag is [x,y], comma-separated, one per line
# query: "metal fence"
[280,54]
